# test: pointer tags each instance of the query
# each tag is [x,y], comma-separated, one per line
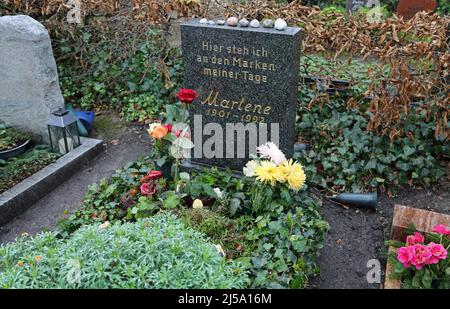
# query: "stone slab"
[245,76]
[408,8]
[355,5]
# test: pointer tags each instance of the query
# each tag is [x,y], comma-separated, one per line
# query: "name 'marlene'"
[213,99]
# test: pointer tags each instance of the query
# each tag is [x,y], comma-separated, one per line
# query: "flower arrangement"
[274,176]
[171,136]
[423,261]
[272,167]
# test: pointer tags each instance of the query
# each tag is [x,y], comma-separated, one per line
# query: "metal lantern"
[63,131]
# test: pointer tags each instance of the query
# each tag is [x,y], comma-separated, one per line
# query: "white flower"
[152,126]
[197,204]
[271,151]
[104,225]
[220,250]
[218,192]
[249,169]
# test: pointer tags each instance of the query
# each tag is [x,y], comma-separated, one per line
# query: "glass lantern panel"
[56,136]
[72,135]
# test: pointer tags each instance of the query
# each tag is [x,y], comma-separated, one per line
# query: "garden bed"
[31,187]
[16,169]
[278,245]
[19,160]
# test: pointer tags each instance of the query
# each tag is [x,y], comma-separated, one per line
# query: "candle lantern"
[63,131]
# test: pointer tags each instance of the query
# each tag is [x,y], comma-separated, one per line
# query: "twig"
[318,192]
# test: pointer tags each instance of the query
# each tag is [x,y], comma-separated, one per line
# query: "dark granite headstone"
[355,5]
[408,8]
[246,77]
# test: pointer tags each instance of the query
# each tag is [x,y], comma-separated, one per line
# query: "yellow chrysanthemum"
[295,174]
[266,172]
[282,173]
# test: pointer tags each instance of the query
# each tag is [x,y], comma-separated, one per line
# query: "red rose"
[168,127]
[154,175]
[148,188]
[136,107]
[187,95]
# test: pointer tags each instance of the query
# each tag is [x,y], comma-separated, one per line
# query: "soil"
[357,236]
[123,143]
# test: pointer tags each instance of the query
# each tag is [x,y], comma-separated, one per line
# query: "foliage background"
[389,128]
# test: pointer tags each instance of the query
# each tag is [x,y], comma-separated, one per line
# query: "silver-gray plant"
[157,252]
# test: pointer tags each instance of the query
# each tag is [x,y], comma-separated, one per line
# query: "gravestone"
[29,86]
[355,5]
[408,8]
[247,79]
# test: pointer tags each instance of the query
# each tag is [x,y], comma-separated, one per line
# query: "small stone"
[203,21]
[232,21]
[220,22]
[254,23]
[280,24]
[267,23]
[244,22]
[211,22]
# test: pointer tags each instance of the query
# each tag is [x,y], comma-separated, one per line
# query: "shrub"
[129,74]
[158,252]
[344,154]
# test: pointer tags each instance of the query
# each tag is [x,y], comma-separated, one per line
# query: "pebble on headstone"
[244,22]
[280,24]
[254,23]
[29,84]
[203,21]
[267,23]
[408,8]
[220,22]
[232,21]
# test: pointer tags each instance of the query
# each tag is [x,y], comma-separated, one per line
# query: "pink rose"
[405,255]
[411,240]
[148,188]
[438,252]
[441,229]
[153,175]
[421,257]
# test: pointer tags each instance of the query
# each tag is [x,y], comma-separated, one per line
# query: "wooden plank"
[423,220]
[388,282]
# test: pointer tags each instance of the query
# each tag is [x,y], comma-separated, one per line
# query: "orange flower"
[159,132]
[38,258]
[20,263]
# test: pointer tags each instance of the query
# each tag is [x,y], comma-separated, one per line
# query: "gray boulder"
[29,85]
